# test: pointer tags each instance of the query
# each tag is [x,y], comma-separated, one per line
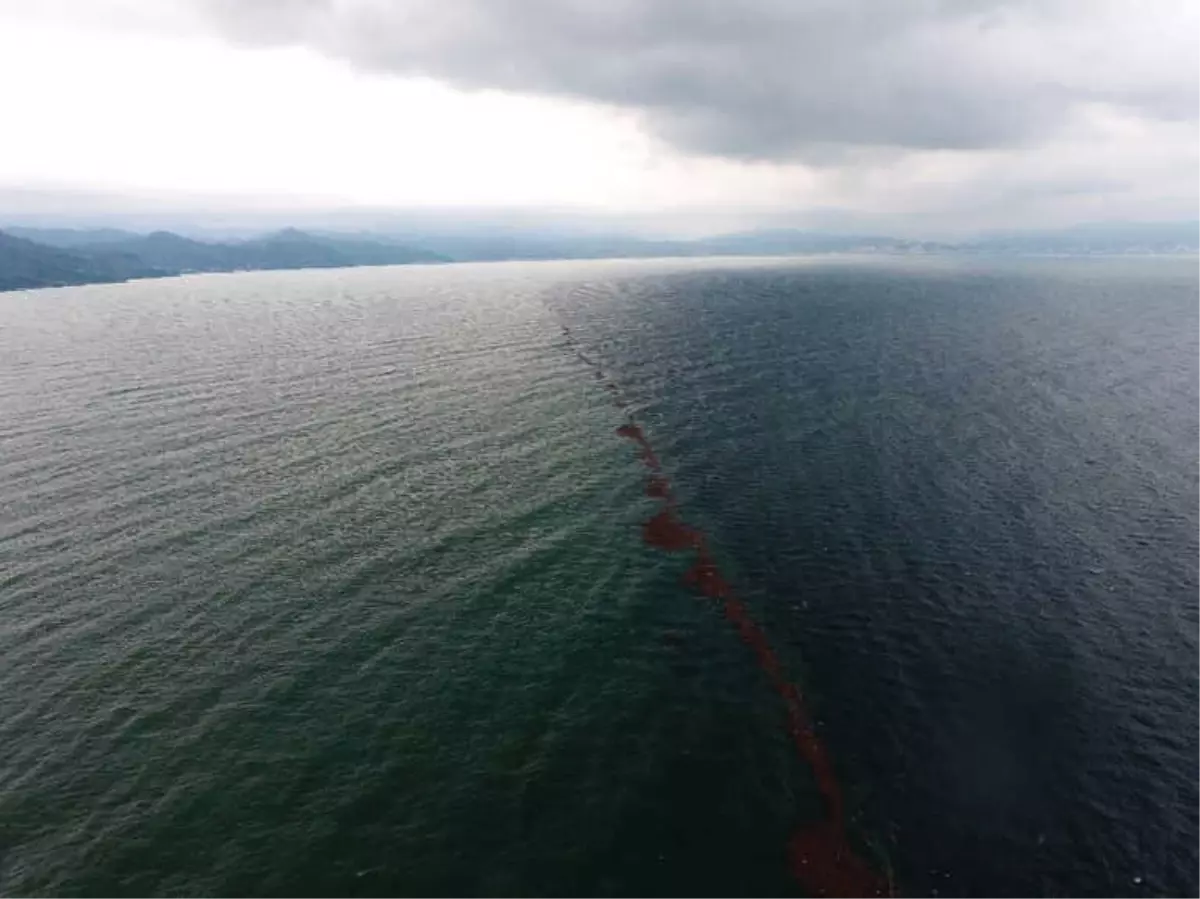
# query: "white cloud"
[774,79]
[122,95]
[145,111]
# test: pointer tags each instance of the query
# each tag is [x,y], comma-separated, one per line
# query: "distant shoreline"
[844,255]
[32,258]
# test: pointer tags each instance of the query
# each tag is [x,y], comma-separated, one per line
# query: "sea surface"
[339,583]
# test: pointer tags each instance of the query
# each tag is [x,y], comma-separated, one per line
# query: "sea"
[635,577]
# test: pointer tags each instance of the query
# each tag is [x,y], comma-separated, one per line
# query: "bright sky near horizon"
[988,113]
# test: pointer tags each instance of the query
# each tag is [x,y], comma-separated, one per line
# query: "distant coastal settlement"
[58,257]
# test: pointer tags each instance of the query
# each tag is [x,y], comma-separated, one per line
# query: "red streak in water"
[666,531]
[657,487]
[634,432]
[823,863]
[819,854]
[704,576]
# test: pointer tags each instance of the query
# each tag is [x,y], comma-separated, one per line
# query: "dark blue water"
[332,582]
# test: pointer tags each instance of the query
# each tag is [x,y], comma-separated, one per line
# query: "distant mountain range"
[42,257]
[25,264]
[35,258]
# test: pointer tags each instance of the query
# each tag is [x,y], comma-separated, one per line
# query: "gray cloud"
[775,79]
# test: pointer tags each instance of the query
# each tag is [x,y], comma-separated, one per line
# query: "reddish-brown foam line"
[819,855]
[666,531]
[633,431]
[657,487]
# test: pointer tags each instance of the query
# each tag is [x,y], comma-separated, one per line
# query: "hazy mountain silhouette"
[112,255]
[70,238]
[32,257]
[283,249]
[25,264]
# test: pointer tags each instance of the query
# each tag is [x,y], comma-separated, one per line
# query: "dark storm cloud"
[774,79]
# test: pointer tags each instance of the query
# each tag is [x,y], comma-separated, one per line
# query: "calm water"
[332,582]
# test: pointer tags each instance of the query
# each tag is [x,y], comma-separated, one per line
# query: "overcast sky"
[932,116]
